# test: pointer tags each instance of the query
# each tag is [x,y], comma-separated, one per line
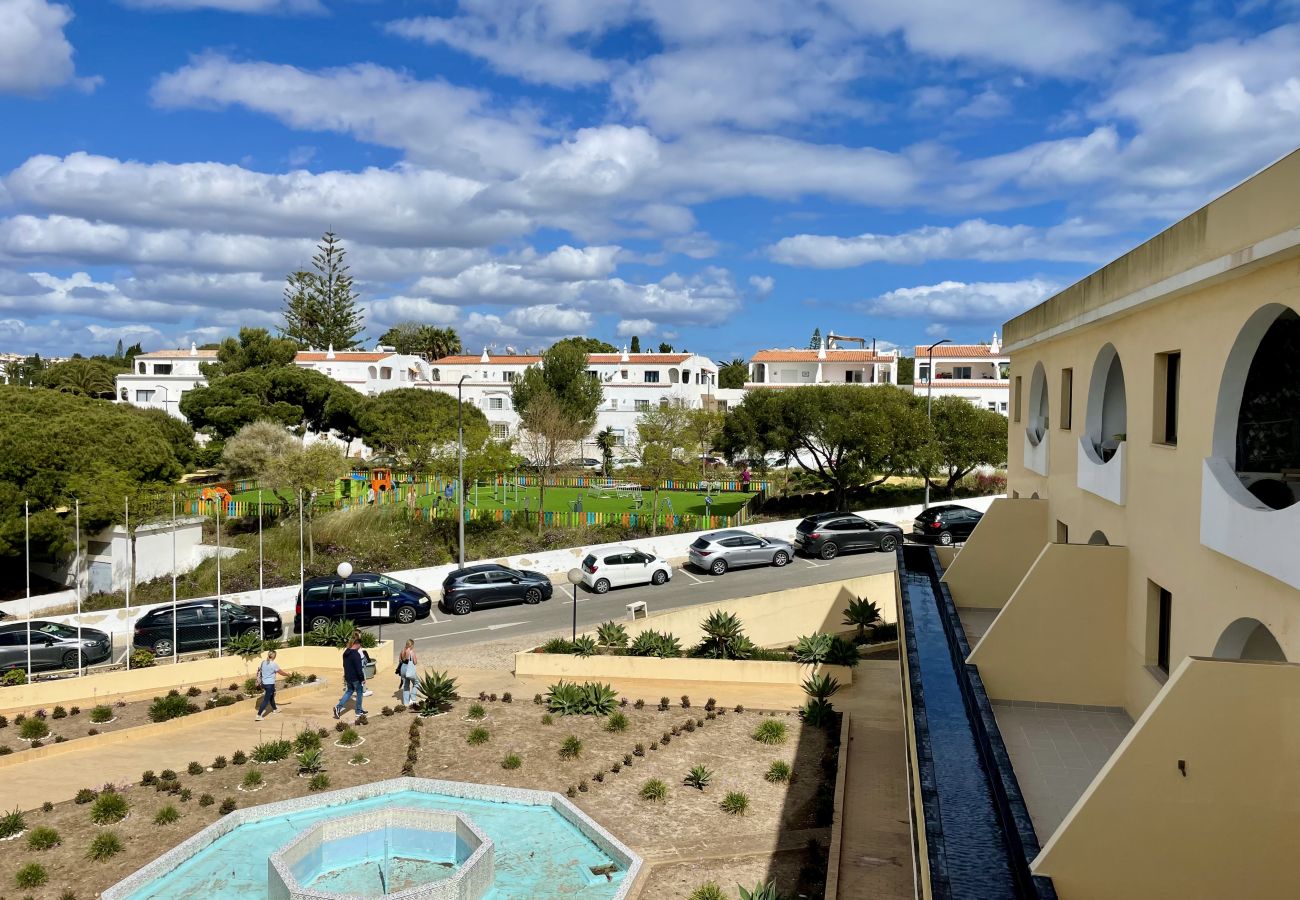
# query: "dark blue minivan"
[366,598]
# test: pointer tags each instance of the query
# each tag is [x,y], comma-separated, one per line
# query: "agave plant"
[698,777]
[564,698]
[843,653]
[654,643]
[598,699]
[437,691]
[811,649]
[764,890]
[818,713]
[820,687]
[247,645]
[611,634]
[724,637]
[311,761]
[584,646]
[863,614]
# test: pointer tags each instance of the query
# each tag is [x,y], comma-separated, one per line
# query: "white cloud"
[539,323]
[634,327]
[957,301]
[34,53]
[235,6]
[400,308]
[762,285]
[972,239]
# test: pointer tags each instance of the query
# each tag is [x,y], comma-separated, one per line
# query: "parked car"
[945,524]
[489,584]
[828,534]
[620,566]
[197,624]
[718,551]
[366,598]
[586,462]
[53,645]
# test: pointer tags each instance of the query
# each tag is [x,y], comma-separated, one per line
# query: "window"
[144,396]
[1160,606]
[496,403]
[435,375]
[141,368]
[1004,370]
[722,406]
[1003,407]
[663,402]
[640,405]
[620,437]
[652,376]
[961,373]
[1016,398]
[924,372]
[993,405]
[1062,532]
[162,368]
[853,376]
[622,373]
[509,376]
[1067,398]
[805,375]
[500,431]
[593,375]
[1165,426]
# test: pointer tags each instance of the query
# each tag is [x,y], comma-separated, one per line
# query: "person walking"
[744,479]
[267,671]
[406,670]
[354,679]
[365,663]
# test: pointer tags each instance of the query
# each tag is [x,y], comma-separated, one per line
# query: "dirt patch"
[689,821]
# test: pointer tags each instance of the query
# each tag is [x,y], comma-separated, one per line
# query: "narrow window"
[1062,532]
[1165,427]
[1067,398]
[1160,603]
[652,376]
[1017,398]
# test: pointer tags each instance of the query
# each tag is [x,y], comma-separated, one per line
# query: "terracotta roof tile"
[340,356]
[592,359]
[175,354]
[863,356]
[964,351]
[973,383]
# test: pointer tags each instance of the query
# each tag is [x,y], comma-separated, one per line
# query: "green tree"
[255,348]
[965,437]
[606,440]
[590,345]
[87,377]
[308,469]
[906,369]
[428,341]
[702,429]
[636,344]
[733,374]
[26,372]
[320,307]
[661,432]
[816,342]
[844,435]
[556,402]
[665,348]
[252,450]
[413,424]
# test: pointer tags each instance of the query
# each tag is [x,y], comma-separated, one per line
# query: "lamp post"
[344,569]
[929,395]
[460,468]
[575,578]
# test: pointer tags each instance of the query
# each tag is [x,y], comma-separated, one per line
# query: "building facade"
[158,379]
[979,373]
[1134,606]
[823,365]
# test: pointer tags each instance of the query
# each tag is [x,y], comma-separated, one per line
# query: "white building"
[632,383]
[825,365]
[369,373]
[158,379]
[976,372]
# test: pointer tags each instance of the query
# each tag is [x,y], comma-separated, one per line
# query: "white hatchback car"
[622,566]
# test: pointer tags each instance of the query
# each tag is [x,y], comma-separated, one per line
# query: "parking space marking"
[813,565]
[429,637]
[691,577]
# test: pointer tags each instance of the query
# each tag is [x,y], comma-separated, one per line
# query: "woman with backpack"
[406,670]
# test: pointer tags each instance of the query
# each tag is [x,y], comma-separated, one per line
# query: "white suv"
[621,566]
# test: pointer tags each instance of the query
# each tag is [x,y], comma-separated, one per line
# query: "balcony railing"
[1102,470]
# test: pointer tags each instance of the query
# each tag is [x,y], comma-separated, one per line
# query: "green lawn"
[605,500]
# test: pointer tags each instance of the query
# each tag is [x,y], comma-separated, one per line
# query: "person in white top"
[267,671]
[406,668]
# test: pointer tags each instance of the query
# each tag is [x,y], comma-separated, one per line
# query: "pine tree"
[320,307]
[816,342]
[636,344]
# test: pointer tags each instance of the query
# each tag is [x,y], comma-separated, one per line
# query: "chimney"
[624,357]
[329,354]
[194,349]
[484,357]
[995,346]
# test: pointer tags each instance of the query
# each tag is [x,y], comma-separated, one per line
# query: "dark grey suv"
[828,534]
[53,644]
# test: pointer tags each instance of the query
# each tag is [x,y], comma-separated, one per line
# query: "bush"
[164,709]
[736,803]
[512,761]
[109,807]
[4,721]
[584,647]
[359,759]
[770,731]
[812,649]
[42,838]
[664,703]
[12,823]
[571,748]
[843,653]
[47,806]
[148,778]
[101,714]
[72,711]
[477,736]
[818,713]
[311,760]
[640,704]
[142,659]
[194,769]
[778,773]
[589,698]
[557,645]
[33,729]
[106,844]
[617,722]
[186,794]
[349,737]
[507,697]
[582,785]
[319,782]
[206,800]
[85,795]
[707,891]
[307,739]
[698,777]
[228,806]
[537,699]
[167,815]
[13,678]
[239,758]
[654,790]
[611,634]
[5,749]
[252,779]
[437,691]
[653,643]
[193,692]
[273,751]
[32,875]
[548,719]
[476,711]
[59,713]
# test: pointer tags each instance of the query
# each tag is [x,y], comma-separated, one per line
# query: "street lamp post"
[575,577]
[460,467]
[929,395]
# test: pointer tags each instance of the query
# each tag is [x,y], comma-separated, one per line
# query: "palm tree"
[864,614]
[606,440]
[733,374]
[444,342]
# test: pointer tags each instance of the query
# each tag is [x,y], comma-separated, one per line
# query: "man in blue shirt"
[354,678]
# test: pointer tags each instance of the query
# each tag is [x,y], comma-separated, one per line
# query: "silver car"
[53,645]
[718,551]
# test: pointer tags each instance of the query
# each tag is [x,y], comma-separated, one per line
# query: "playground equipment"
[217,492]
[381,481]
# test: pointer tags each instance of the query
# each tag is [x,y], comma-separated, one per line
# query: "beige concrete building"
[1133,607]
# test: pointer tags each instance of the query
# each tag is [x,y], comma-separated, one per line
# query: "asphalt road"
[687,587]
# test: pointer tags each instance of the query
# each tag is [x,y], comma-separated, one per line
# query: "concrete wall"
[1060,638]
[714,671]
[999,553]
[1227,827]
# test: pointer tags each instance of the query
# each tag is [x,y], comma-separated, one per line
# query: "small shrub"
[109,807]
[167,815]
[698,777]
[572,791]
[273,751]
[770,731]
[492,698]
[186,794]
[664,704]
[5,749]
[101,714]
[59,739]
[710,704]
[148,778]
[708,891]
[206,800]
[42,838]
[617,722]
[92,732]
[164,709]
[386,711]
[13,678]
[654,791]
[627,759]
[736,803]
[253,778]
[548,719]
[710,715]
[319,782]
[477,736]
[239,757]
[72,711]
[59,713]
[571,748]
[476,711]
[665,739]
[142,659]
[194,691]
[4,721]
[32,875]
[639,704]
[228,806]
[537,699]
[12,823]
[47,806]
[686,702]
[582,786]
[339,726]
[638,750]
[739,708]
[676,729]
[167,775]
[105,845]
[778,773]
[349,737]
[507,698]
[616,768]
[512,761]
[699,723]
[311,760]
[654,745]
[85,795]
[307,740]
[194,769]
[33,729]
[690,725]
[359,759]
[598,777]
[37,743]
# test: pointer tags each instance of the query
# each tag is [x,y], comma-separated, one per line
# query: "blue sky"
[723,176]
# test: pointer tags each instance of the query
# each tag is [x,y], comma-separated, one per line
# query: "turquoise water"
[538,852]
[382,861]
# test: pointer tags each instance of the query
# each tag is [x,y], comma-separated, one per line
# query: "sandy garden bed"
[730,847]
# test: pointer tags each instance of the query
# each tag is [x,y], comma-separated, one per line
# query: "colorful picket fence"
[597,481]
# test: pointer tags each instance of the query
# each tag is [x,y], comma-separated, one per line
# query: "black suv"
[195,624]
[945,524]
[826,534]
[465,590]
[366,598]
